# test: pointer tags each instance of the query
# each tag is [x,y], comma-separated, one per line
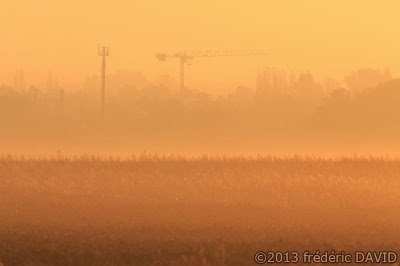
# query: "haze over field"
[294,150]
[329,84]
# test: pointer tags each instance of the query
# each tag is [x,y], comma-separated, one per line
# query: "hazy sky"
[329,38]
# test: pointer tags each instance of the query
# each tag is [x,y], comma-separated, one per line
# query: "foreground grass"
[171,210]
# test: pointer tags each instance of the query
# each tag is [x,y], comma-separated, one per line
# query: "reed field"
[171,210]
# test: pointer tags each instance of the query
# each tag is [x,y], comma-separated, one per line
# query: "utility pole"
[103,52]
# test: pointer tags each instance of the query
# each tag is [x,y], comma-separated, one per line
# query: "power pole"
[103,52]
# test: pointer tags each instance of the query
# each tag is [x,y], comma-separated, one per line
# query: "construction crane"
[186,56]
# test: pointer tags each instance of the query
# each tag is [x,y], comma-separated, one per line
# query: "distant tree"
[338,98]
[19,80]
[50,81]
[330,84]
[169,82]
[384,98]
[335,109]
[242,95]
[125,82]
[271,82]
[366,78]
[91,85]
[307,90]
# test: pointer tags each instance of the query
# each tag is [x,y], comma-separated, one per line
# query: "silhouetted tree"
[307,91]
[366,78]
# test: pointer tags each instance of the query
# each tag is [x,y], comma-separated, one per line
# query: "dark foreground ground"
[176,211]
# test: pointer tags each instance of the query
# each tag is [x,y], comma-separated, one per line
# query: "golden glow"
[326,38]
[280,151]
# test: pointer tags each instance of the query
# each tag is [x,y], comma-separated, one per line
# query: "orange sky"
[328,38]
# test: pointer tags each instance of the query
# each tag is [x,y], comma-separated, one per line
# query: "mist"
[286,113]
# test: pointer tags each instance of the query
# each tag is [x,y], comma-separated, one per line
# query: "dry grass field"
[171,210]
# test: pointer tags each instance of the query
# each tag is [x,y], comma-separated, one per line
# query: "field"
[171,210]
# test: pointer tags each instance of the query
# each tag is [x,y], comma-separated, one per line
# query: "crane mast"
[186,56]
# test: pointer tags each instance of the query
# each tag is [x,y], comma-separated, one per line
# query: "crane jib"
[189,55]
